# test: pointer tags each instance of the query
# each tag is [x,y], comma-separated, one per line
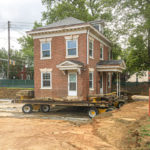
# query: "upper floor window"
[72,48]
[91,48]
[101,53]
[109,54]
[45,48]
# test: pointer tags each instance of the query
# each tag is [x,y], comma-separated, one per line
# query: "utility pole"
[8,69]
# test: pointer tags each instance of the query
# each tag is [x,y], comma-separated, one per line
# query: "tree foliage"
[57,10]
[133,23]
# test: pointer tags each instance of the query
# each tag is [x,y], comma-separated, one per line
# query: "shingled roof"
[110,62]
[64,22]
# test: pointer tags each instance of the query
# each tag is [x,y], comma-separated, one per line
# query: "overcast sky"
[24,11]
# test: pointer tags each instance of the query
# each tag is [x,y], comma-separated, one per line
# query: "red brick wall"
[92,64]
[59,80]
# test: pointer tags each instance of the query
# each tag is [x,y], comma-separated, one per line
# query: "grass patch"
[145,130]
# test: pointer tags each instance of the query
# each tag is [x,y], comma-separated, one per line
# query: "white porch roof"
[70,65]
[111,66]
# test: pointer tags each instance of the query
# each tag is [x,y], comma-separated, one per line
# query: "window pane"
[71,44]
[46,75]
[90,84]
[90,45]
[91,77]
[72,78]
[72,86]
[46,83]
[90,53]
[46,53]
[72,52]
[45,46]
[101,52]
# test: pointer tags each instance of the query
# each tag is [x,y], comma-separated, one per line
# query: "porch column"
[117,85]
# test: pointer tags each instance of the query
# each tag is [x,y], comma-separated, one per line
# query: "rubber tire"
[92,110]
[27,106]
[120,104]
[45,110]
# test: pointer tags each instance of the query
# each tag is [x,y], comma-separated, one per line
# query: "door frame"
[75,93]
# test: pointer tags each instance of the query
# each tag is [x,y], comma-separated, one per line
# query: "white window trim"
[42,41]
[67,56]
[103,53]
[92,48]
[46,71]
[91,89]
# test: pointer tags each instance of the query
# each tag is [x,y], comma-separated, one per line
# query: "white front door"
[72,84]
[101,83]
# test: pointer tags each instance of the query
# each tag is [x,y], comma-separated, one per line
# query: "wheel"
[27,108]
[92,112]
[120,104]
[45,108]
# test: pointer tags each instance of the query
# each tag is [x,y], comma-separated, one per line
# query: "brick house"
[72,59]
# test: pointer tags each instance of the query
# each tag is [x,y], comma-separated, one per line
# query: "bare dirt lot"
[68,129]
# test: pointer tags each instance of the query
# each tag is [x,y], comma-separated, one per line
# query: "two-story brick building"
[72,59]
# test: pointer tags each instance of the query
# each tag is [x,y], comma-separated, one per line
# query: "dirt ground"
[108,131]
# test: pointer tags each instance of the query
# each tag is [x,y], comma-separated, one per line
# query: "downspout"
[87,42]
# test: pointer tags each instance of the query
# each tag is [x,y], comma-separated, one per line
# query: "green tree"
[26,43]
[15,56]
[132,21]
[57,10]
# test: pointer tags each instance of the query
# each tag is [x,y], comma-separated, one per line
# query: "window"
[109,54]
[46,80]
[72,48]
[45,50]
[109,80]
[101,53]
[91,48]
[91,80]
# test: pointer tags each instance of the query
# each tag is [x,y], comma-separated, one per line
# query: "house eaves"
[86,26]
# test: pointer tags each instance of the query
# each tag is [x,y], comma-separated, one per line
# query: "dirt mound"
[115,128]
[123,129]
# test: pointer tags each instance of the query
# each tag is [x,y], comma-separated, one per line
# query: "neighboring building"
[24,74]
[72,59]
[140,78]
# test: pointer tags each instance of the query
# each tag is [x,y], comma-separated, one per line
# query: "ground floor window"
[109,80]
[46,80]
[91,80]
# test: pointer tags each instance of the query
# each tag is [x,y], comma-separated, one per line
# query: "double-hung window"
[46,50]
[72,50]
[101,53]
[91,48]
[46,80]
[91,80]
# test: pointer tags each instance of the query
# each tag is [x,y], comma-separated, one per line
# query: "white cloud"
[21,10]
[27,11]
